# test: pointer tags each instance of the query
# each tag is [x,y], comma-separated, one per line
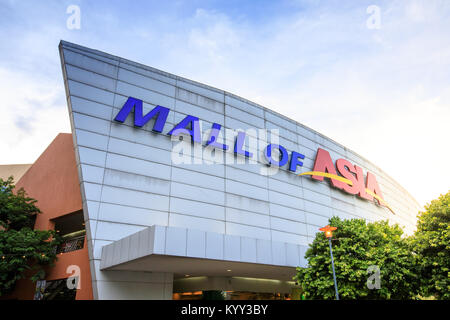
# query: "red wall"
[53,181]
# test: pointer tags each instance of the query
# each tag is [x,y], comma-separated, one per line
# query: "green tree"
[356,246]
[432,245]
[22,249]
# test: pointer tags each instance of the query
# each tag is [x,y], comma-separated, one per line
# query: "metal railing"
[71,244]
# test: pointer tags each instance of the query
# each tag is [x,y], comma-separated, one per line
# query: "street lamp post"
[328,234]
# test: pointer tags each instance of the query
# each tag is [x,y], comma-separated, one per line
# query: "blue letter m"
[140,120]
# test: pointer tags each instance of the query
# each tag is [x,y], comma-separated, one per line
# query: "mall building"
[167,188]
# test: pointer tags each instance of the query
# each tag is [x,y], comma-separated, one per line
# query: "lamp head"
[328,230]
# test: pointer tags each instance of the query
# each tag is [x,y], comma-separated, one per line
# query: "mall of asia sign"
[350,180]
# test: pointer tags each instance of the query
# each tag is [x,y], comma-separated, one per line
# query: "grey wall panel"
[197,223]
[247,218]
[253,231]
[91,108]
[244,105]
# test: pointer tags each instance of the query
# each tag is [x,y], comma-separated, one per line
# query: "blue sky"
[385,93]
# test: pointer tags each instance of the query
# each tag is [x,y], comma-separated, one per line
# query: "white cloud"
[32,115]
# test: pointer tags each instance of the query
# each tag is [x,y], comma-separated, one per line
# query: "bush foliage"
[432,245]
[23,251]
[357,245]
[412,267]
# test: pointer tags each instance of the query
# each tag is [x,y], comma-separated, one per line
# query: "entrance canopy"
[198,253]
